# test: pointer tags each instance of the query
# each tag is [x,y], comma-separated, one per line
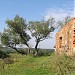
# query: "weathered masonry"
[65,38]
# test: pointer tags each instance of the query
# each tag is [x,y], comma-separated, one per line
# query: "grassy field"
[19,64]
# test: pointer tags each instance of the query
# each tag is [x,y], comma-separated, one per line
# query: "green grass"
[29,65]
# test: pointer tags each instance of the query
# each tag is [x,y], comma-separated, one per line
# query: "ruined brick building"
[65,38]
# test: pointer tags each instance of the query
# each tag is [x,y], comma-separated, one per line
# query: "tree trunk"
[15,49]
[26,44]
[36,47]
[28,48]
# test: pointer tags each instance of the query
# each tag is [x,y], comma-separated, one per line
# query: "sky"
[35,10]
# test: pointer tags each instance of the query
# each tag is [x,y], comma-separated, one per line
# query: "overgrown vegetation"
[53,64]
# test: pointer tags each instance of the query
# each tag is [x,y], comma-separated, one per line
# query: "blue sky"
[35,10]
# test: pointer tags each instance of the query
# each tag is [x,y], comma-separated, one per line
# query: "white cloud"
[58,13]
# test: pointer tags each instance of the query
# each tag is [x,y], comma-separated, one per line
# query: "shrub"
[42,52]
[63,65]
[3,54]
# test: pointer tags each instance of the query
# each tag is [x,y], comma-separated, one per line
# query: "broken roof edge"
[68,23]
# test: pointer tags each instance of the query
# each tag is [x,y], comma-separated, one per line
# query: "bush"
[42,52]
[3,54]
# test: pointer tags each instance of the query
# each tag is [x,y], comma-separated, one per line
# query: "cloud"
[58,13]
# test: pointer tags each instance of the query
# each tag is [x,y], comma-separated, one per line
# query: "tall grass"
[18,64]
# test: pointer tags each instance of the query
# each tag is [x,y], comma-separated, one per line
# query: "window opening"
[60,42]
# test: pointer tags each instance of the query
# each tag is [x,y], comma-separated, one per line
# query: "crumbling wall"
[65,38]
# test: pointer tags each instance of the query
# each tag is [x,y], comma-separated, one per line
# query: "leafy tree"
[41,30]
[16,33]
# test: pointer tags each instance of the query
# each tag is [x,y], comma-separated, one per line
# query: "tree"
[16,33]
[63,22]
[41,30]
